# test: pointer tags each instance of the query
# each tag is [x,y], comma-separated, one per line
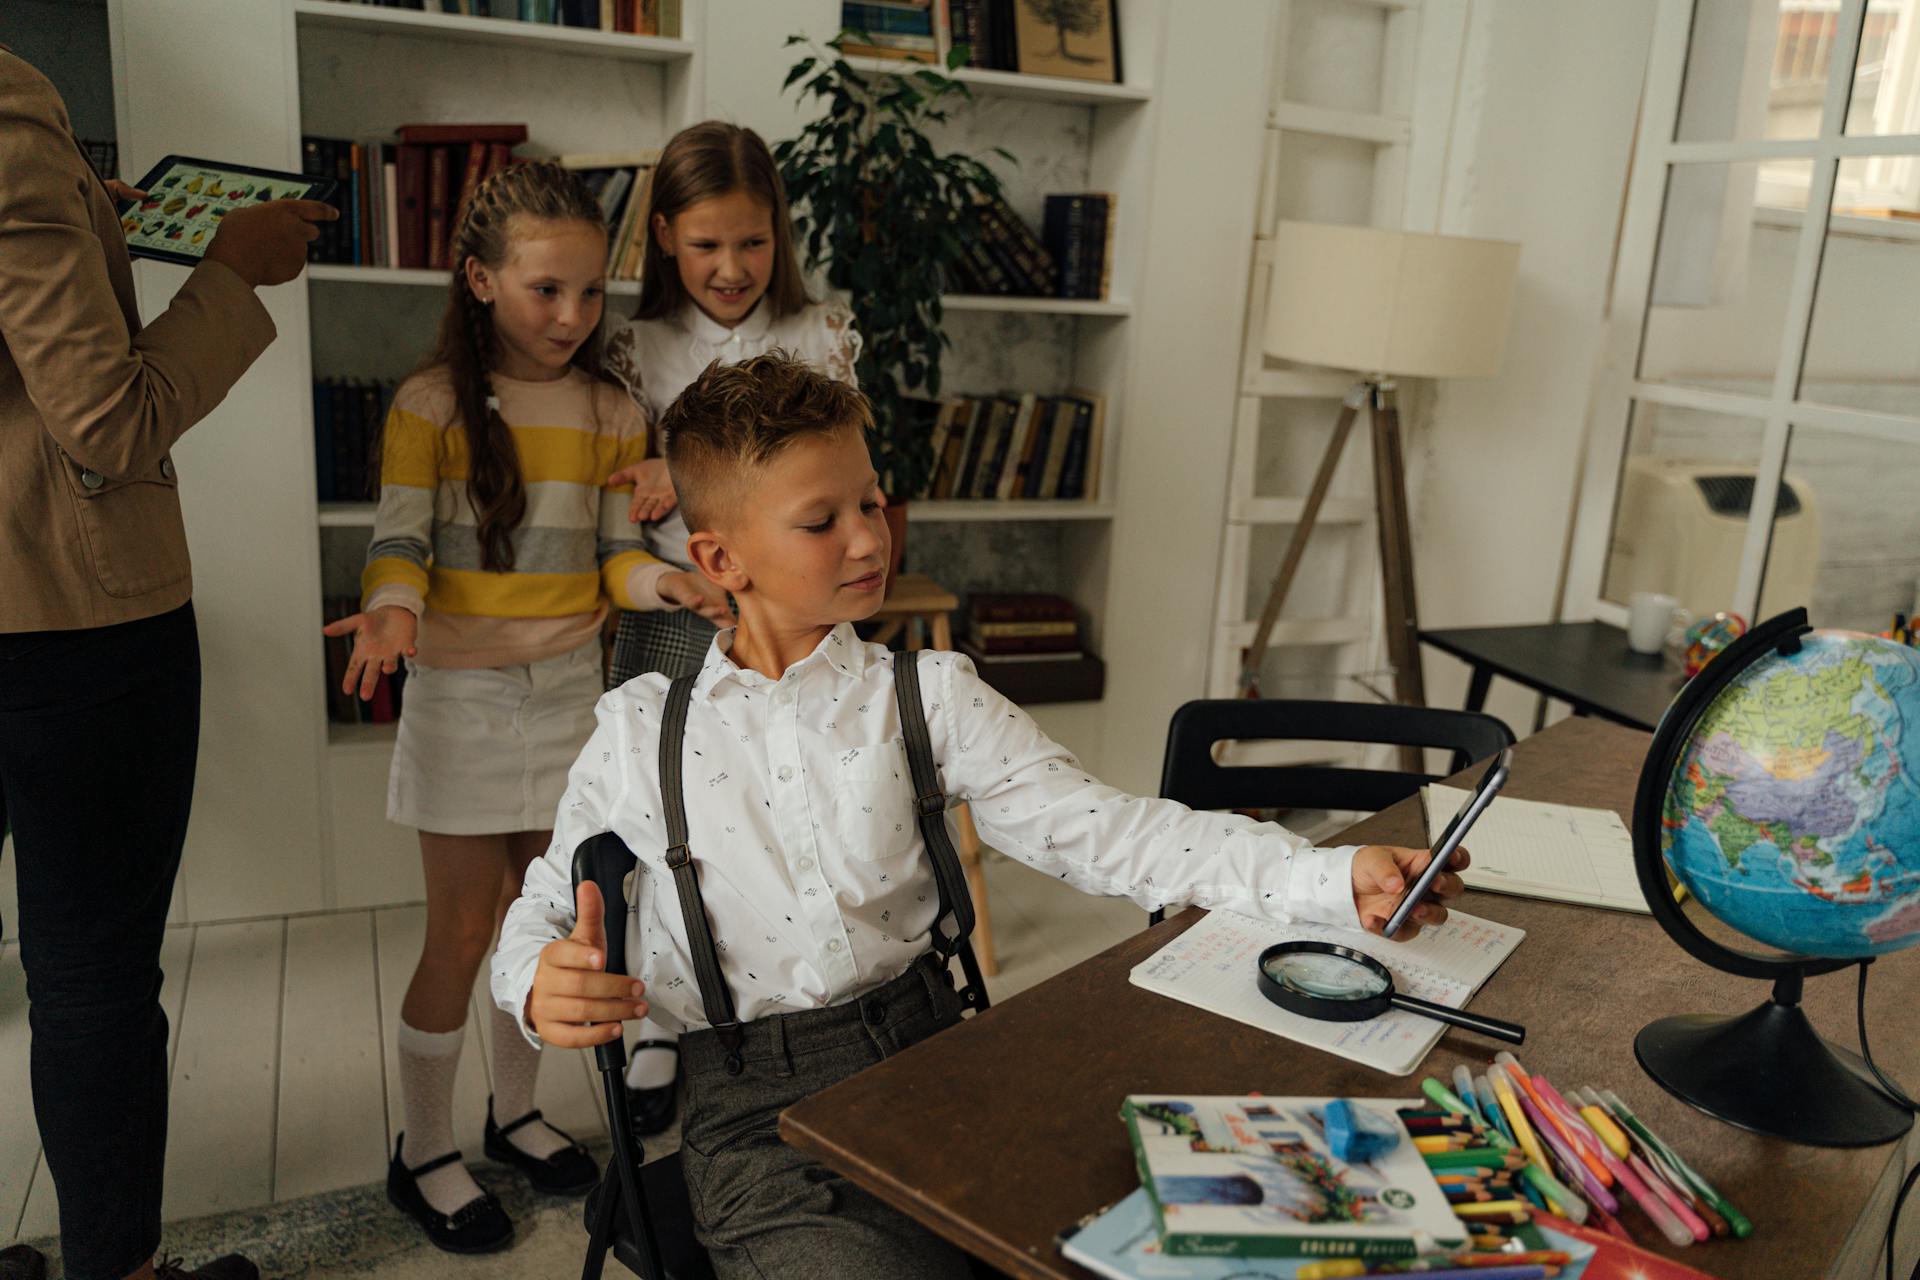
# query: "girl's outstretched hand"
[653,495]
[691,591]
[380,639]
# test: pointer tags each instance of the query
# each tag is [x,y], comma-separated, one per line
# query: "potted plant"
[883,214]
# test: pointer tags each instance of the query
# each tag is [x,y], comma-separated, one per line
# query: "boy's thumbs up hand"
[574,1004]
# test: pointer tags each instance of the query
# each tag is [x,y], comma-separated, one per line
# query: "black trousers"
[99,729]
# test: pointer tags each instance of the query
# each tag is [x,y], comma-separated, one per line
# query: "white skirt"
[485,751]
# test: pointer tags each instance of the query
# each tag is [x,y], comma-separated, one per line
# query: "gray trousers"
[763,1210]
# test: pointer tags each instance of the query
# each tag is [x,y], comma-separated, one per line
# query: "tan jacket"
[90,402]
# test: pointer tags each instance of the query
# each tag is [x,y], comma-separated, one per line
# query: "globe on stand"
[1783,791]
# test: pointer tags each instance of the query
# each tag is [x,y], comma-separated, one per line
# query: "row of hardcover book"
[349,708]
[1017,446]
[1029,646]
[632,17]
[397,199]
[347,414]
[623,183]
[1072,257]
[990,32]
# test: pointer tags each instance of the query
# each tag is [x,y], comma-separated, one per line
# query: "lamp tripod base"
[1770,1072]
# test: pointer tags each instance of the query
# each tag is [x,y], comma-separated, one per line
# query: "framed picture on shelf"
[1075,38]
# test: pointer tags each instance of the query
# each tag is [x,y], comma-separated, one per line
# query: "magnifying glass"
[1333,983]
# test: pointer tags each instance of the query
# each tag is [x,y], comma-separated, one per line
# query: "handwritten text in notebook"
[1212,966]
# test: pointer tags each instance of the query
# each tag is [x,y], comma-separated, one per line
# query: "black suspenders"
[930,805]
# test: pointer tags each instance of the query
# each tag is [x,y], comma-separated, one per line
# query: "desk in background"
[1004,1130]
[1586,664]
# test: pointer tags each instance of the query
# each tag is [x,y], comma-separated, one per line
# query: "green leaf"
[800,68]
[956,56]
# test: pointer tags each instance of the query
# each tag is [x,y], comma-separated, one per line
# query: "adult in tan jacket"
[99,660]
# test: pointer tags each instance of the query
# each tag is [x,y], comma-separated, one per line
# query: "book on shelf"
[628,17]
[623,181]
[347,417]
[1078,231]
[1020,606]
[1017,447]
[398,199]
[902,29]
[1036,678]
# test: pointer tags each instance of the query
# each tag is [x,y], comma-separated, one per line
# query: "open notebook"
[1212,965]
[1552,851]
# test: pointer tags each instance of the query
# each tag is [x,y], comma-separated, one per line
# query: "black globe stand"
[1767,1071]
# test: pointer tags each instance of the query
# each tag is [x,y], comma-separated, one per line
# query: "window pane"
[1718,303]
[1846,532]
[1756,70]
[1883,98]
[1680,518]
[1863,347]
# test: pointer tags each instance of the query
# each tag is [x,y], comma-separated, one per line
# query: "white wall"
[1539,155]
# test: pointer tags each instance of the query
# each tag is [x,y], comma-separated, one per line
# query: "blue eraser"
[1357,1134]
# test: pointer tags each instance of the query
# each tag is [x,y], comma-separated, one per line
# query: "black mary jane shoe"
[478,1226]
[570,1171]
[652,1109]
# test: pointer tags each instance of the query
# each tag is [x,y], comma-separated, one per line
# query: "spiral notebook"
[1553,851]
[1212,964]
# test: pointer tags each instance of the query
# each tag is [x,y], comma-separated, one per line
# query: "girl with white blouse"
[720,283]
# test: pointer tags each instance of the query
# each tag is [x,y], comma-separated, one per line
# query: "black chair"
[641,1211]
[1190,774]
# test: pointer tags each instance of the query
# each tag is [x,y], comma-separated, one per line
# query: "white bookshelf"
[289,818]
[1010,84]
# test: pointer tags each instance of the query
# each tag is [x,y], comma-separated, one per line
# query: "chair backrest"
[1191,775]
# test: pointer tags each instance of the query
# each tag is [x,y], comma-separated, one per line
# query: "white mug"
[1651,618]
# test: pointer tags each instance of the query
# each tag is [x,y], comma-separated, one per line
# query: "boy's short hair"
[734,418]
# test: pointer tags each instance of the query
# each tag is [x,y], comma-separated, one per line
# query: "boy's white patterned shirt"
[800,815]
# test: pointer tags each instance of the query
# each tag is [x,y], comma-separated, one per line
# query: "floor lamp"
[1387,304]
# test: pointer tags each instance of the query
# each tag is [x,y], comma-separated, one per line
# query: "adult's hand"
[267,243]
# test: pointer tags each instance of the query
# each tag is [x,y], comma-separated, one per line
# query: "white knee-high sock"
[516,1065]
[429,1061]
[652,1068]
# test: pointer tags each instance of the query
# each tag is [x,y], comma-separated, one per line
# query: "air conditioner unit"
[1681,524]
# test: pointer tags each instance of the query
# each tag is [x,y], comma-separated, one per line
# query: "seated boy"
[801,823]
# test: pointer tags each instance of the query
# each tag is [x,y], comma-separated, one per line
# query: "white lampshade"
[1390,302]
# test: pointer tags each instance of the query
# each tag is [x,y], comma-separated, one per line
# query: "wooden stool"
[914,600]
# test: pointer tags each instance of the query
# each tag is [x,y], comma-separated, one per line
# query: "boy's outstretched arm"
[1033,801]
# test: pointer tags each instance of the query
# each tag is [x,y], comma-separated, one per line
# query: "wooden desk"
[1002,1131]
[1585,664]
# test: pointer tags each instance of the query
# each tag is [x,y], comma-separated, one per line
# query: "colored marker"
[1742,1227]
[1595,1114]
[1524,1084]
[1570,1163]
[1674,1180]
[1516,1119]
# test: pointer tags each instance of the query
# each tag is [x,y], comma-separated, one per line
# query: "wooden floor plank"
[399,932]
[221,1135]
[332,1121]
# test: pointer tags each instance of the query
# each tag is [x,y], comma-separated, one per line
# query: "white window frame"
[1618,385]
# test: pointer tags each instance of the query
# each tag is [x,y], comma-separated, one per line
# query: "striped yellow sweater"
[573,552]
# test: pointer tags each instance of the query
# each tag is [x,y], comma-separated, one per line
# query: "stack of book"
[623,181]
[633,17]
[346,429]
[1016,446]
[1029,647]
[397,200]
[347,708]
[1078,233]
[1003,255]
[905,29]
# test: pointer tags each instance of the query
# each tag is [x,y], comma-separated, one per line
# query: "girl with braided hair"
[498,548]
